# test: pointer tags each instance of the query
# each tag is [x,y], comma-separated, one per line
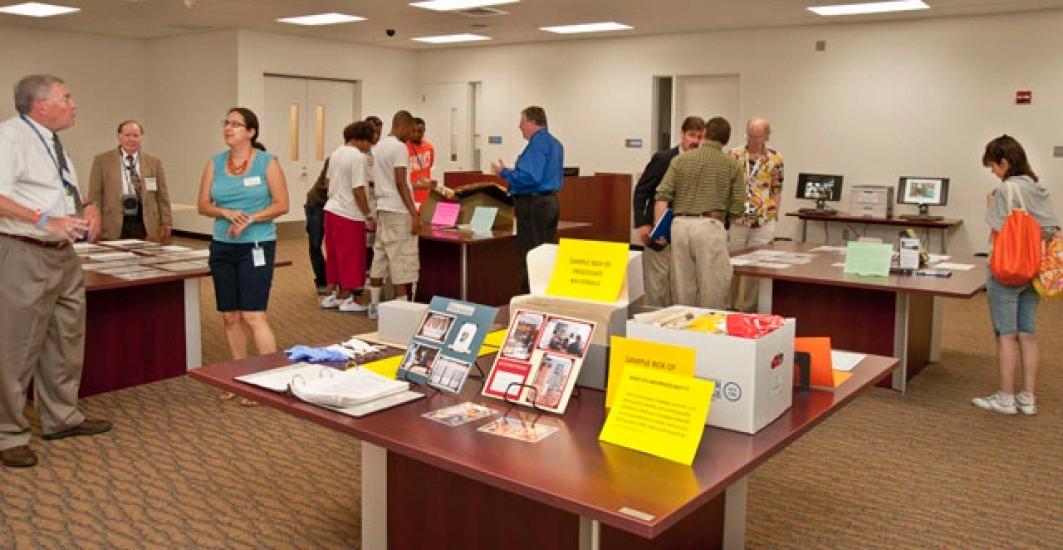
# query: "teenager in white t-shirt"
[395,252]
[347,218]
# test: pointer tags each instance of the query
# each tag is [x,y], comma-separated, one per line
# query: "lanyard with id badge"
[73,197]
[258,255]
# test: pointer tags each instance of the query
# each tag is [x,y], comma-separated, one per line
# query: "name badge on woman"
[258,256]
[252,181]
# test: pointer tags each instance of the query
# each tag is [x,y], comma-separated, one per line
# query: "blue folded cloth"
[314,355]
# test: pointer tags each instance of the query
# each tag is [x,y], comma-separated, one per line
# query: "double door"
[302,123]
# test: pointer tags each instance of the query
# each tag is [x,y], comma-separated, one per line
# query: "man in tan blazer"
[129,187]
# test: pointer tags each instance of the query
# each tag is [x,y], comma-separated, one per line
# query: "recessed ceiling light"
[37,9]
[321,19]
[587,27]
[451,38]
[869,7]
[451,5]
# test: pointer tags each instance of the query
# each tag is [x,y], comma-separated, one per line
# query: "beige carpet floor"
[184,470]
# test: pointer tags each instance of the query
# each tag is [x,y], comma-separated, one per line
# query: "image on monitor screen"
[820,188]
[925,192]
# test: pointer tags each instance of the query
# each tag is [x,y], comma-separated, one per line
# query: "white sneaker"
[351,306]
[331,302]
[1026,403]
[1000,402]
[373,312]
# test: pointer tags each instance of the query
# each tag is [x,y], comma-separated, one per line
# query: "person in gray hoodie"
[1013,309]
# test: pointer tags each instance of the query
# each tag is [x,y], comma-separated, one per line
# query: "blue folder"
[663,227]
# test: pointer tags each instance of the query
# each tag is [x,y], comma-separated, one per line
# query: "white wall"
[105,75]
[883,100]
[191,83]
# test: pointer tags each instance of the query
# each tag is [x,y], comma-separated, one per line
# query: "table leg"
[734,518]
[944,240]
[464,271]
[900,342]
[804,230]
[374,496]
[193,338]
[935,330]
[764,295]
[590,534]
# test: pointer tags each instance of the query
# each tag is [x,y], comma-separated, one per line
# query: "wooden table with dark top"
[426,485]
[141,331]
[943,224]
[898,315]
[477,268]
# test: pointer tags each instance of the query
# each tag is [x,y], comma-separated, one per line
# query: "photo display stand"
[541,357]
[444,348]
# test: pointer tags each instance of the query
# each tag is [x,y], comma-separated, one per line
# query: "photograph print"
[521,337]
[923,190]
[551,379]
[566,336]
[448,374]
[418,360]
[435,326]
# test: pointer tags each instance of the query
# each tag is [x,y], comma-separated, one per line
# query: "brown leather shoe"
[88,427]
[18,457]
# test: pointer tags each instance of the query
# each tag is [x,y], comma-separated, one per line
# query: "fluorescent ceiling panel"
[869,7]
[37,9]
[452,5]
[321,19]
[587,27]
[451,38]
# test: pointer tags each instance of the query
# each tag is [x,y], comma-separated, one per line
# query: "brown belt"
[57,245]
[718,215]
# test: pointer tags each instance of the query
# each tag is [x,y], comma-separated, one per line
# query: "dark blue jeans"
[315,230]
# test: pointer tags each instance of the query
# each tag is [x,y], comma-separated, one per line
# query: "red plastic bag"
[752,325]
[1049,282]
[1016,256]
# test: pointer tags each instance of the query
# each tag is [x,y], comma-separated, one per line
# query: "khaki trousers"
[657,276]
[42,338]
[744,290]
[701,266]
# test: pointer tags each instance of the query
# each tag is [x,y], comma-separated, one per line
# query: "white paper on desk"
[826,248]
[740,260]
[933,258]
[127,243]
[954,267]
[767,253]
[845,360]
[111,256]
[838,264]
[771,265]
[82,248]
[140,275]
[175,248]
[117,270]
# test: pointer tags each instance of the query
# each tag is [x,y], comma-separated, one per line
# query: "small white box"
[609,317]
[754,377]
[871,201]
[399,320]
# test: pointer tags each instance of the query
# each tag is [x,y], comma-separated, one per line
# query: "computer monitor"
[570,171]
[925,192]
[820,188]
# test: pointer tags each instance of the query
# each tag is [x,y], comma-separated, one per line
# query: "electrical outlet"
[1057,151]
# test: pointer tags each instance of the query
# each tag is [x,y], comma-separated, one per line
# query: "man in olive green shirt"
[703,186]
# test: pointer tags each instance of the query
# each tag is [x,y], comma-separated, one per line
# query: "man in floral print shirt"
[763,174]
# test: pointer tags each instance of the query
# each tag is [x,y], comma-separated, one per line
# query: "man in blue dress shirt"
[534,182]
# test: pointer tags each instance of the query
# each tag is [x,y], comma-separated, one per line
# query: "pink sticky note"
[446,214]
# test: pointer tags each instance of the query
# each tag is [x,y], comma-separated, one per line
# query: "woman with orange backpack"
[1012,302]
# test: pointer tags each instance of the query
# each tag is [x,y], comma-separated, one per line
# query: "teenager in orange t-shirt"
[422,158]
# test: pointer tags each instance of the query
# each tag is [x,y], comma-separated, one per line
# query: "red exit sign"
[1023,97]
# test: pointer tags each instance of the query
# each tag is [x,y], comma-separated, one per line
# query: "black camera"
[130,205]
[390,32]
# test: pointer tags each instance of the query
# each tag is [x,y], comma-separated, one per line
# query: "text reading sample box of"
[609,317]
[540,360]
[754,377]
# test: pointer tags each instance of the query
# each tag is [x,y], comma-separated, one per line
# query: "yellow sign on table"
[388,367]
[628,352]
[659,413]
[495,338]
[589,270]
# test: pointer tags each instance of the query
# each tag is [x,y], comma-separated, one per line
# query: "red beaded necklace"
[237,168]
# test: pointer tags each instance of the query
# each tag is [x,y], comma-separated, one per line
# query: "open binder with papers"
[355,392]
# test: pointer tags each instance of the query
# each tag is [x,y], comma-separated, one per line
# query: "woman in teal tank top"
[244,190]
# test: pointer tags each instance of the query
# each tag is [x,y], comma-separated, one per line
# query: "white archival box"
[754,377]
[399,320]
[610,317]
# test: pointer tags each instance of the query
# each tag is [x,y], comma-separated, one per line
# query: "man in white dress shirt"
[42,298]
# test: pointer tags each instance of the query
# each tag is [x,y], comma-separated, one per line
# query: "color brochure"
[446,343]
[540,360]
